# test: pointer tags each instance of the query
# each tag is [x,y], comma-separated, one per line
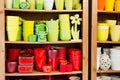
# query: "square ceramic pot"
[25,69]
[26,60]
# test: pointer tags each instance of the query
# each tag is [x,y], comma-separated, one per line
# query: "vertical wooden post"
[2,40]
[93,39]
[85,40]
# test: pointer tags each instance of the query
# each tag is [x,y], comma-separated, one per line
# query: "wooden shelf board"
[108,71]
[36,73]
[52,11]
[109,42]
[57,42]
[103,11]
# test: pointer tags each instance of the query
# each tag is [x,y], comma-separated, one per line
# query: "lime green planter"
[39,4]
[68,4]
[52,30]
[16,3]
[65,35]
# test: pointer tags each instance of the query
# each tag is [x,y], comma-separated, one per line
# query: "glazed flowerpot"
[16,4]
[13,54]
[63,68]
[28,25]
[74,78]
[68,4]
[32,38]
[109,6]
[48,4]
[53,59]
[32,4]
[39,4]
[111,22]
[101,4]
[115,59]
[8,3]
[59,4]
[98,57]
[40,58]
[12,35]
[47,68]
[11,66]
[102,32]
[25,68]
[26,60]
[62,53]
[75,56]
[117,6]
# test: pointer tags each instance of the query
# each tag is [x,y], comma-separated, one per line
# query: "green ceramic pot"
[39,4]
[16,3]
[32,38]
[68,4]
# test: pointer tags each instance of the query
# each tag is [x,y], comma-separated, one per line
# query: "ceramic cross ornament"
[75,20]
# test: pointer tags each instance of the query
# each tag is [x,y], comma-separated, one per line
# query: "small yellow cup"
[111,22]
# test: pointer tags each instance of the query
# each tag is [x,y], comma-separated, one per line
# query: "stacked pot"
[12,27]
[65,34]
[28,29]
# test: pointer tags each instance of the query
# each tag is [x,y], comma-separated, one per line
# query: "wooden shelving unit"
[40,15]
[98,15]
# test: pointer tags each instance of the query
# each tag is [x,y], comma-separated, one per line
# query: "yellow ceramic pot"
[109,6]
[111,22]
[115,35]
[59,4]
[32,4]
[117,5]
[102,32]
[12,35]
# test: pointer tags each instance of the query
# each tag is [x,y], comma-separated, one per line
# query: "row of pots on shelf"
[108,77]
[46,4]
[63,77]
[109,5]
[44,60]
[51,30]
[108,27]
[109,59]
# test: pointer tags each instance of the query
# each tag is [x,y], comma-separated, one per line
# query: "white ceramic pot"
[48,4]
[115,59]
[8,3]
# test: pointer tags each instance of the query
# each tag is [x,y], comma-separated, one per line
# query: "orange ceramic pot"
[101,4]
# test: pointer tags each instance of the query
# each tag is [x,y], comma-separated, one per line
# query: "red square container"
[25,68]
[26,60]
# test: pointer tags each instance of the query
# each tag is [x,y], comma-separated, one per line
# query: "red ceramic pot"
[63,68]
[53,59]
[13,54]
[26,60]
[75,56]
[11,66]
[47,68]
[25,68]
[62,53]
[69,67]
[40,58]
